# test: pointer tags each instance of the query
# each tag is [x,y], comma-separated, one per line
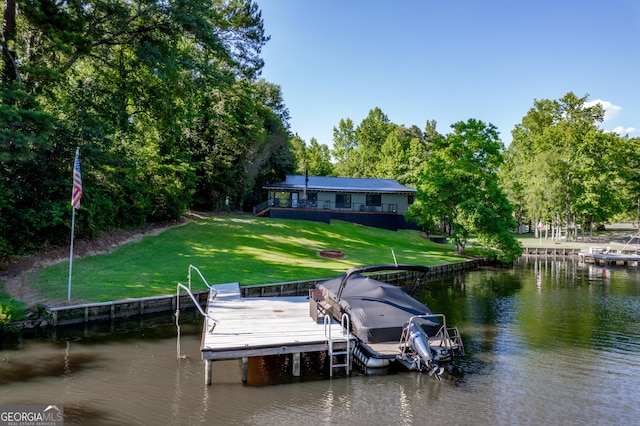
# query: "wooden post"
[245,369]
[296,364]
[208,371]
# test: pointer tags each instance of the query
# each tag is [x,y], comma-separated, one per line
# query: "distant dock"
[594,255]
[551,251]
[605,257]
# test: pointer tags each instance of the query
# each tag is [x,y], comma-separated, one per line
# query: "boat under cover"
[387,322]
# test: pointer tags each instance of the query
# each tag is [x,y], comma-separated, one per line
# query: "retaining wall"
[74,314]
[103,311]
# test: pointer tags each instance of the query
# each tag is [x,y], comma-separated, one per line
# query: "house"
[380,203]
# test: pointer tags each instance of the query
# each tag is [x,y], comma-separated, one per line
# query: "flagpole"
[76,195]
[73,227]
[540,232]
[540,226]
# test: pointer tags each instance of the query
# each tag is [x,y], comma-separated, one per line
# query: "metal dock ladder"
[344,338]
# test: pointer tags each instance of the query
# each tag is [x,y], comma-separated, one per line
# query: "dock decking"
[260,326]
[611,259]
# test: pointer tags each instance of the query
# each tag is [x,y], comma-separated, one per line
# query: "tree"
[417,154]
[458,187]
[393,162]
[299,151]
[318,159]
[371,134]
[314,159]
[561,167]
[628,162]
[162,98]
[9,65]
[358,151]
[345,149]
[402,155]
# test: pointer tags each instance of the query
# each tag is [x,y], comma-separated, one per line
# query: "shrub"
[5,312]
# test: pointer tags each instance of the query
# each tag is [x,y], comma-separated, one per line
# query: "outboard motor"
[417,341]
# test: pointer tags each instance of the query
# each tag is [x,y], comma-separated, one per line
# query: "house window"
[410,199]
[374,200]
[281,199]
[343,201]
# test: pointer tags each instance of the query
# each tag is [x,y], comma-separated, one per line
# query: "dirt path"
[16,273]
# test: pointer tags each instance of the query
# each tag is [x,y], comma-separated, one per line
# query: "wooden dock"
[261,326]
[551,251]
[612,259]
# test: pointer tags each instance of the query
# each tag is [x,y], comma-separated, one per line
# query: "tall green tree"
[370,135]
[459,188]
[402,155]
[561,167]
[162,98]
[394,156]
[319,159]
[299,151]
[357,150]
[314,159]
[628,163]
[345,149]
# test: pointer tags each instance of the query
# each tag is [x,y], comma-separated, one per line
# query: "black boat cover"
[378,310]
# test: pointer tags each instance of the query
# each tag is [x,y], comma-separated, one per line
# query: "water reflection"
[548,341]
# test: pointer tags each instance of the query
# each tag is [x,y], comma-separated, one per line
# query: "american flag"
[76,193]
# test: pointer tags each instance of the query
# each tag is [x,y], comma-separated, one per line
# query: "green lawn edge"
[245,249]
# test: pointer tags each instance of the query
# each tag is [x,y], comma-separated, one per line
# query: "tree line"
[561,172]
[164,100]
[166,103]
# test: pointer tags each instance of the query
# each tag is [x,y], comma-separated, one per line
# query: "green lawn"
[226,249]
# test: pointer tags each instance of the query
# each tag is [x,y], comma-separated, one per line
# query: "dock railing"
[210,321]
[187,288]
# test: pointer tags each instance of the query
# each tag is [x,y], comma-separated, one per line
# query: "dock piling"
[208,372]
[245,369]
[296,364]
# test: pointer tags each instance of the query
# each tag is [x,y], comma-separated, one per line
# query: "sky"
[450,60]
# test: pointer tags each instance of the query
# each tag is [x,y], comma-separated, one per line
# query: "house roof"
[341,184]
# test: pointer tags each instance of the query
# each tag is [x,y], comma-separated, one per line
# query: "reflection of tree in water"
[556,271]
[55,364]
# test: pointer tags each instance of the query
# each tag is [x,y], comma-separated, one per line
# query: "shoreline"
[14,277]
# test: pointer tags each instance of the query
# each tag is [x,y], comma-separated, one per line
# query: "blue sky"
[450,60]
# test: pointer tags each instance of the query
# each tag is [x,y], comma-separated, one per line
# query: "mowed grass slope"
[241,249]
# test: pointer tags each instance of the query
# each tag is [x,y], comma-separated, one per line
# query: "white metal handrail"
[197,303]
[211,322]
[193,268]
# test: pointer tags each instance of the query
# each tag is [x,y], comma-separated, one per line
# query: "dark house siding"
[391,222]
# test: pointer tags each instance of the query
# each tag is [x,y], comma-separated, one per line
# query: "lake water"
[548,341]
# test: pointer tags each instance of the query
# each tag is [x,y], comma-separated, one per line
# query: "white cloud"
[622,131]
[611,111]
